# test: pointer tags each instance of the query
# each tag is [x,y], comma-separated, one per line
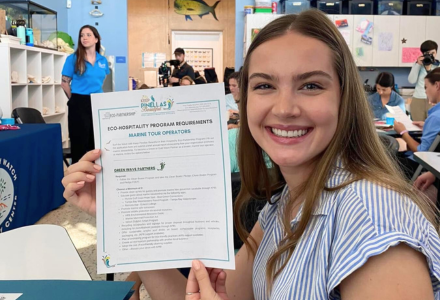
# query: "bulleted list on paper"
[163,198]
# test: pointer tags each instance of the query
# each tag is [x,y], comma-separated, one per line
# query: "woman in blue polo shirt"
[431,127]
[385,95]
[83,73]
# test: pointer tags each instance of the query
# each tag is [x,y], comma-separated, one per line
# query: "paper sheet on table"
[410,55]
[401,117]
[385,41]
[164,196]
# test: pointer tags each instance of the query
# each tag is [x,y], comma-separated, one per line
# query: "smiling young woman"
[343,200]
[341,219]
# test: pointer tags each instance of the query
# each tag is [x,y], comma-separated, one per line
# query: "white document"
[400,116]
[164,195]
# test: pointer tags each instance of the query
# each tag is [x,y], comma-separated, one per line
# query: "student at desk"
[385,95]
[431,127]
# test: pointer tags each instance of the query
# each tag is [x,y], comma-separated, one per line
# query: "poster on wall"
[153,60]
[199,58]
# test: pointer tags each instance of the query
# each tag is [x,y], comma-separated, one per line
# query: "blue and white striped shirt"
[348,226]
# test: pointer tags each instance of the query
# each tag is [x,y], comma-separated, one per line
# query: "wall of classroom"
[151,23]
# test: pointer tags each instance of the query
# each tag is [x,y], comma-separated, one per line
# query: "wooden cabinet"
[391,35]
[412,35]
[362,52]
[346,31]
[433,29]
[386,41]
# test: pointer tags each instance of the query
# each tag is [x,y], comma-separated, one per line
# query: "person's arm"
[65,84]
[413,76]
[430,131]
[386,277]
[67,75]
[170,284]
[411,143]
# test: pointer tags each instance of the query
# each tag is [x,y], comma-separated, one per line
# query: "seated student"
[233,98]
[341,222]
[385,95]
[431,127]
[186,80]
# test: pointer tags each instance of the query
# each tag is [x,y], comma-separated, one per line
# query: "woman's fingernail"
[96,151]
[81,182]
[196,264]
[97,167]
[90,176]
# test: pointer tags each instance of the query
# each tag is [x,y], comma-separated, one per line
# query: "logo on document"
[8,198]
[149,104]
[162,166]
[106,260]
[109,115]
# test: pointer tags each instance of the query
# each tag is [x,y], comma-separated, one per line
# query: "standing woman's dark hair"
[80,64]
[386,79]
[83,73]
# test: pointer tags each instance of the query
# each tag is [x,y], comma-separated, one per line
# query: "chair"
[435,147]
[252,210]
[211,75]
[27,115]
[391,144]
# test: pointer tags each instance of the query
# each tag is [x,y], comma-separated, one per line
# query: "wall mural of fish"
[190,8]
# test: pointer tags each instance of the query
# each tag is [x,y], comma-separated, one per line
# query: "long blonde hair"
[355,142]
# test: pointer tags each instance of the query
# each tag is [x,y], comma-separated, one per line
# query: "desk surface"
[40,252]
[430,161]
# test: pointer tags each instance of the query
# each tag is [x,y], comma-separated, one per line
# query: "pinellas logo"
[149,104]
[106,260]
[8,198]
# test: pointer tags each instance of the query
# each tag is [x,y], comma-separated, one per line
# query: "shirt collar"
[99,57]
[434,109]
[338,175]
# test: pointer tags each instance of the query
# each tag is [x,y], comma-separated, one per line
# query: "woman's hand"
[79,182]
[205,284]
[419,123]
[399,127]
[424,181]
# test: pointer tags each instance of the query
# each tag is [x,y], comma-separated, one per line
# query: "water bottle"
[21,31]
[29,37]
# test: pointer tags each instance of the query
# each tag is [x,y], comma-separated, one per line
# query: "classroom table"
[430,161]
[31,169]
[40,252]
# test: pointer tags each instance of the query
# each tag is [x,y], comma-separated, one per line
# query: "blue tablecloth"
[31,169]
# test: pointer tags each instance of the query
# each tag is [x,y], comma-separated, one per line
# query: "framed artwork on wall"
[199,58]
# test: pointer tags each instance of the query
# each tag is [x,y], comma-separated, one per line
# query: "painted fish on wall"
[190,8]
